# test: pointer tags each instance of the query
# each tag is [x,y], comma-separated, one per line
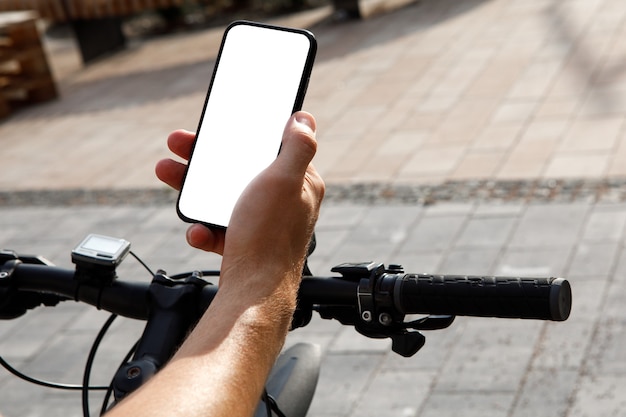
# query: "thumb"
[299,144]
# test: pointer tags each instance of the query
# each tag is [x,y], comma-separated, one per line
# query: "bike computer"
[101,250]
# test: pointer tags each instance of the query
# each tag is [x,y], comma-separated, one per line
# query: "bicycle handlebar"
[528,298]
[128,299]
[372,298]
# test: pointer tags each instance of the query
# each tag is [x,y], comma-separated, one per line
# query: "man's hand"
[267,194]
[227,357]
[273,220]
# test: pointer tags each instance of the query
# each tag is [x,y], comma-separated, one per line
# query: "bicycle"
[374,298]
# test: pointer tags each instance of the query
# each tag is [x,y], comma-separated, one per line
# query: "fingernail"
[306,120]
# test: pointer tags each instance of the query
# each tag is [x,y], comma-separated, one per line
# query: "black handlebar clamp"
[376,315]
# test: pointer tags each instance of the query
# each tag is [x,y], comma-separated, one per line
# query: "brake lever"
[432,322]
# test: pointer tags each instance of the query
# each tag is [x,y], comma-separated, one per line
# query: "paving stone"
[449,404]
[554,225]
[532,261]
[504,346]
[486,232]
[435,232]
[469,261]
[397,393]
[354,371]
[565,346]
[347,340]
[606,223]
[600,395]
[546,389]
[593,260]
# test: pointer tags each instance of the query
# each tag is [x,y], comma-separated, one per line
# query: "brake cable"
[47,384]
[90,360]
[271,405]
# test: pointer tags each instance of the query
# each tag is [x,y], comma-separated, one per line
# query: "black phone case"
[304,82]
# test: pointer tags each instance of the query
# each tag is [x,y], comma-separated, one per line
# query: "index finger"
[181,142]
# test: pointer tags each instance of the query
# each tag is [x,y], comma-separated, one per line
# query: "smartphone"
[259,81]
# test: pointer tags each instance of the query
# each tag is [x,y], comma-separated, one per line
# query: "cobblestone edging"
[522,191]
[534,191]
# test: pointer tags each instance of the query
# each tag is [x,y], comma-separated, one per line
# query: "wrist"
[259,278]
[270,292]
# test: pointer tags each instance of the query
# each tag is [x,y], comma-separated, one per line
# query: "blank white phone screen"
[254,90]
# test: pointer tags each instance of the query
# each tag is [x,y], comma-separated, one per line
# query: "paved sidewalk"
[477,367]
[440,89]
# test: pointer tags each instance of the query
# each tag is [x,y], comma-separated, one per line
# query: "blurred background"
[424,92]
[455,136]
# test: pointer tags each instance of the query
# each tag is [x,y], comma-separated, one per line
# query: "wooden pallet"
[25,76]
[68,10]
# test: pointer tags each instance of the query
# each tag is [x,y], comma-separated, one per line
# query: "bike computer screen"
[101,250]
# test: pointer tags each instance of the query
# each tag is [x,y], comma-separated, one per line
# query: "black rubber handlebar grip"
[528,298]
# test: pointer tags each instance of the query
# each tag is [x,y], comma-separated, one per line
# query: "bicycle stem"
[173,311]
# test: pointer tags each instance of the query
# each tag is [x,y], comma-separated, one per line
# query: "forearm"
[221,368]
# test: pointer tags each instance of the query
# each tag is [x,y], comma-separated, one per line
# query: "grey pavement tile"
[531,261]
[386,224]
[545,389]
[355,372]
[606,223]
[60,404]
[8,326]
[323,340]
[319,332]
[468,404]
[619,272]
[601,395]
[340,216]
[504,346]
[365,251]
[550,225]
[470,261]
[349,341]
[320,267]
[565,346]
[419,262]
[18,401]
[606,354]
[396,393]
[201,260]
[448,209]
[593,260]
[435,232]
[35,332]
[327,242]
[63,358]
[487,231]
[615,293]
[381,230]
